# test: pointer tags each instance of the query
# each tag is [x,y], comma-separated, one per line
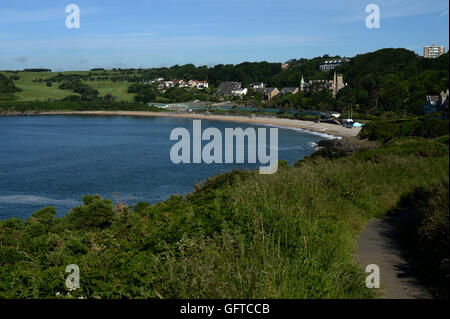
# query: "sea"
[55,160]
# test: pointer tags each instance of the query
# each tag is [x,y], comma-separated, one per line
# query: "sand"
[325,128]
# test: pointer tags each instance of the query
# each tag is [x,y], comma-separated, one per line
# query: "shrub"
[386,130]
[45,216]
[428,236]
[94,213]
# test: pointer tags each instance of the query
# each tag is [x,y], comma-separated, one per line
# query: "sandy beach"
[325,128]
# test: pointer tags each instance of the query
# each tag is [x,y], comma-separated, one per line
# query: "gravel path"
[379,243]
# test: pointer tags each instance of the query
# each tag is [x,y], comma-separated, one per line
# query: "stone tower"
[338,83]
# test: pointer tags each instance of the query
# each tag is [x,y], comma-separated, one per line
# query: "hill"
[387,80]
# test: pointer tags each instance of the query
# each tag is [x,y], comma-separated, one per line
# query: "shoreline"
[324,128]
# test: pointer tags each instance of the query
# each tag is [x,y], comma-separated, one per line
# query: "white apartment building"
[433,51]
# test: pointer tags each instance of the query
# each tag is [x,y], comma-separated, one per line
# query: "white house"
[168,84]
[198,84]
[183,84]
[202,85]
[331,64]
[257,85]
[240,92]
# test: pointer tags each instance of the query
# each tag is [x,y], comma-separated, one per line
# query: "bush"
[45,216]
[386,130]
[94,213]
[433,128]
[428,236]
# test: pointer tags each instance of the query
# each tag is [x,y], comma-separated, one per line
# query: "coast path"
[379,243]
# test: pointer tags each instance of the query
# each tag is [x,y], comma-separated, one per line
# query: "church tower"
[302,84]
[338,83]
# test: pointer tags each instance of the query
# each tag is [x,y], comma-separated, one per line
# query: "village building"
[198,84]
[337,84]
[433,51]
[226,88]
[202,85]
[334,85]
[240,92]
[331,64]
[436,103]
[183,84]
[289,90]
[257,85]
[269,93]
[169,84]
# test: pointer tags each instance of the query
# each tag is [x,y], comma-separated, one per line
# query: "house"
[435,103]
[331,64]
[192,83]
[169,84]
[269,93]
[198,84]
[177,82]
[431,104]
[285,66]
[240,92]
[202,85]
[226,88]
[289,90]
[257,85]
[183,84]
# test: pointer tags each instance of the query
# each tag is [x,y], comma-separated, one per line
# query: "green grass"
[241,235]
[32,91]
[118,89]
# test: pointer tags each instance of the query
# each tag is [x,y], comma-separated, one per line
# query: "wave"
[313,145]
[36,200]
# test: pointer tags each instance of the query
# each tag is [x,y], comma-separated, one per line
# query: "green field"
[32,91]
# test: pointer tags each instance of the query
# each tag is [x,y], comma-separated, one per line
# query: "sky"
[154,33]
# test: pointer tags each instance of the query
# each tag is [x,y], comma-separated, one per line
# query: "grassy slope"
[305,221]
[118,89]
[288,235]
[39,91]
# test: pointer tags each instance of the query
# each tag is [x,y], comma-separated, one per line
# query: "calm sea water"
[55,160]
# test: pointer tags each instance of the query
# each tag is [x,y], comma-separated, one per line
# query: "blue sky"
[139,33]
